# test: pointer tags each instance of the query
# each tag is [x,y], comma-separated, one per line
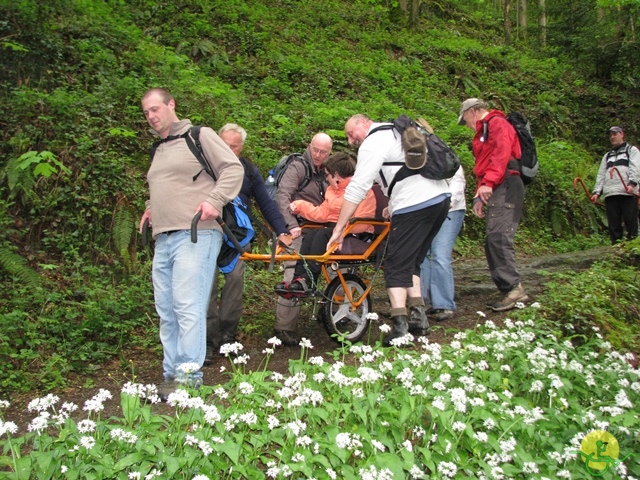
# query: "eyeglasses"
[317,151]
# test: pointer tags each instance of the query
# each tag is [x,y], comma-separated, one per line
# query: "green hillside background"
[75,279]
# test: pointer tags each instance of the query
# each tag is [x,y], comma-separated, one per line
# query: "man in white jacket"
[417,207]
[618,186]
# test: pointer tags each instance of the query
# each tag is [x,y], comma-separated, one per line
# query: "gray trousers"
[288,310]
[503,214]
[223,320]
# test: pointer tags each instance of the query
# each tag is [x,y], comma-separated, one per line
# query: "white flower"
[415,472]
[384,328]
[318,361]
[305,343]
[530,467]
[86,426]
[535,305]
[372,316]
[482,314]
[188,368]
[87,442]
[482,437]
[378,445]
[231,349]
[447,469]
[438,402]
[245,388]
[275,341]
[408,445]
[458,426]
[200,477]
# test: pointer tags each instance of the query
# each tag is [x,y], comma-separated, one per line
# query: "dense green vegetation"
[74,141]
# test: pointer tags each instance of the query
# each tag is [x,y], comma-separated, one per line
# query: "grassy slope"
[282,69]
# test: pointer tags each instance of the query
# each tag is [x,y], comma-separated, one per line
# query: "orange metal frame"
[331,258]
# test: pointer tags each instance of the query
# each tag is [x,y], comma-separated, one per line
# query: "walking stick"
[620,177]
[586,191]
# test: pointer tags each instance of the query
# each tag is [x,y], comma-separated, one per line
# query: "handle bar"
[225,228]
[145,232]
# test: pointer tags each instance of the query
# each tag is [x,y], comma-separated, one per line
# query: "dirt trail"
[473,289]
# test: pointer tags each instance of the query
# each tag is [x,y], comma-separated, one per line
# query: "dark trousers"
[503,214]
[622,208]
[409,241]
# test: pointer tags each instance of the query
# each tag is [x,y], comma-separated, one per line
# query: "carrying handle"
[145,232]
[225,229]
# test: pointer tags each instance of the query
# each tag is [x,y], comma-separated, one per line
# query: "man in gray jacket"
[182,270]
[295,185]
[618,186]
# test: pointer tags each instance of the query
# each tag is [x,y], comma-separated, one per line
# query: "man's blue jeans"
[436,272]
[182,277]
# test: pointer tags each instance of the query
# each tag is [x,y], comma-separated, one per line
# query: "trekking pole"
[586,191]
[145,232]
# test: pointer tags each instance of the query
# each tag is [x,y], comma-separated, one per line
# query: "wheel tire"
[339,321]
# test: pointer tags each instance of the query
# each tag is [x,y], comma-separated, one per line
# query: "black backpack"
[442,162]
[275,175]
[234,213]
[529,158]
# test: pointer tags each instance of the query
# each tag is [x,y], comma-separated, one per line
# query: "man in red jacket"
[499,196]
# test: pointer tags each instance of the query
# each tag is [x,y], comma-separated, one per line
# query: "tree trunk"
[522,19]
[508,27]
[542,23]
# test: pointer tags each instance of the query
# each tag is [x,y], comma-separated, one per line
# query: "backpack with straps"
[441,161]
[234,214]
[275,175]
[528,161]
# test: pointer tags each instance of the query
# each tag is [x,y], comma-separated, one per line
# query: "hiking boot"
[210,355]
[282,289]
[400,329]
[290,339]
[509,300]
[418,322]
[441,314]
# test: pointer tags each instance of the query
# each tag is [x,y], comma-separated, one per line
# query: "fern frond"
[123,230]
[17,266]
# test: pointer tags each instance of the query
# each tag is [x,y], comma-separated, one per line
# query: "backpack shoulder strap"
[192,137]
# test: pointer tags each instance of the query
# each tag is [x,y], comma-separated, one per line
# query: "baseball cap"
[616,129]
[466,105]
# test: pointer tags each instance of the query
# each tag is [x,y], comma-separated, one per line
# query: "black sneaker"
[298,288]
[288,338]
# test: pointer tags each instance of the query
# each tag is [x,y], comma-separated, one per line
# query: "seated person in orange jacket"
[339,169]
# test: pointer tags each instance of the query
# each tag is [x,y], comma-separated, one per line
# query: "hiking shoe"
[282,289]
[298,288]
[509,300]
[441,314]
[210,355]
[290,339]
[167,388]
[418,322]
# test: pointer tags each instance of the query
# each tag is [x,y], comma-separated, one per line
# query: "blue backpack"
[234,214]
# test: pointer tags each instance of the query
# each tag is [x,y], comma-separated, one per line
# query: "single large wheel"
[340,320]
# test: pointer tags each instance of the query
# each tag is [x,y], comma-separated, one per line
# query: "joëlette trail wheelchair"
[344,304]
